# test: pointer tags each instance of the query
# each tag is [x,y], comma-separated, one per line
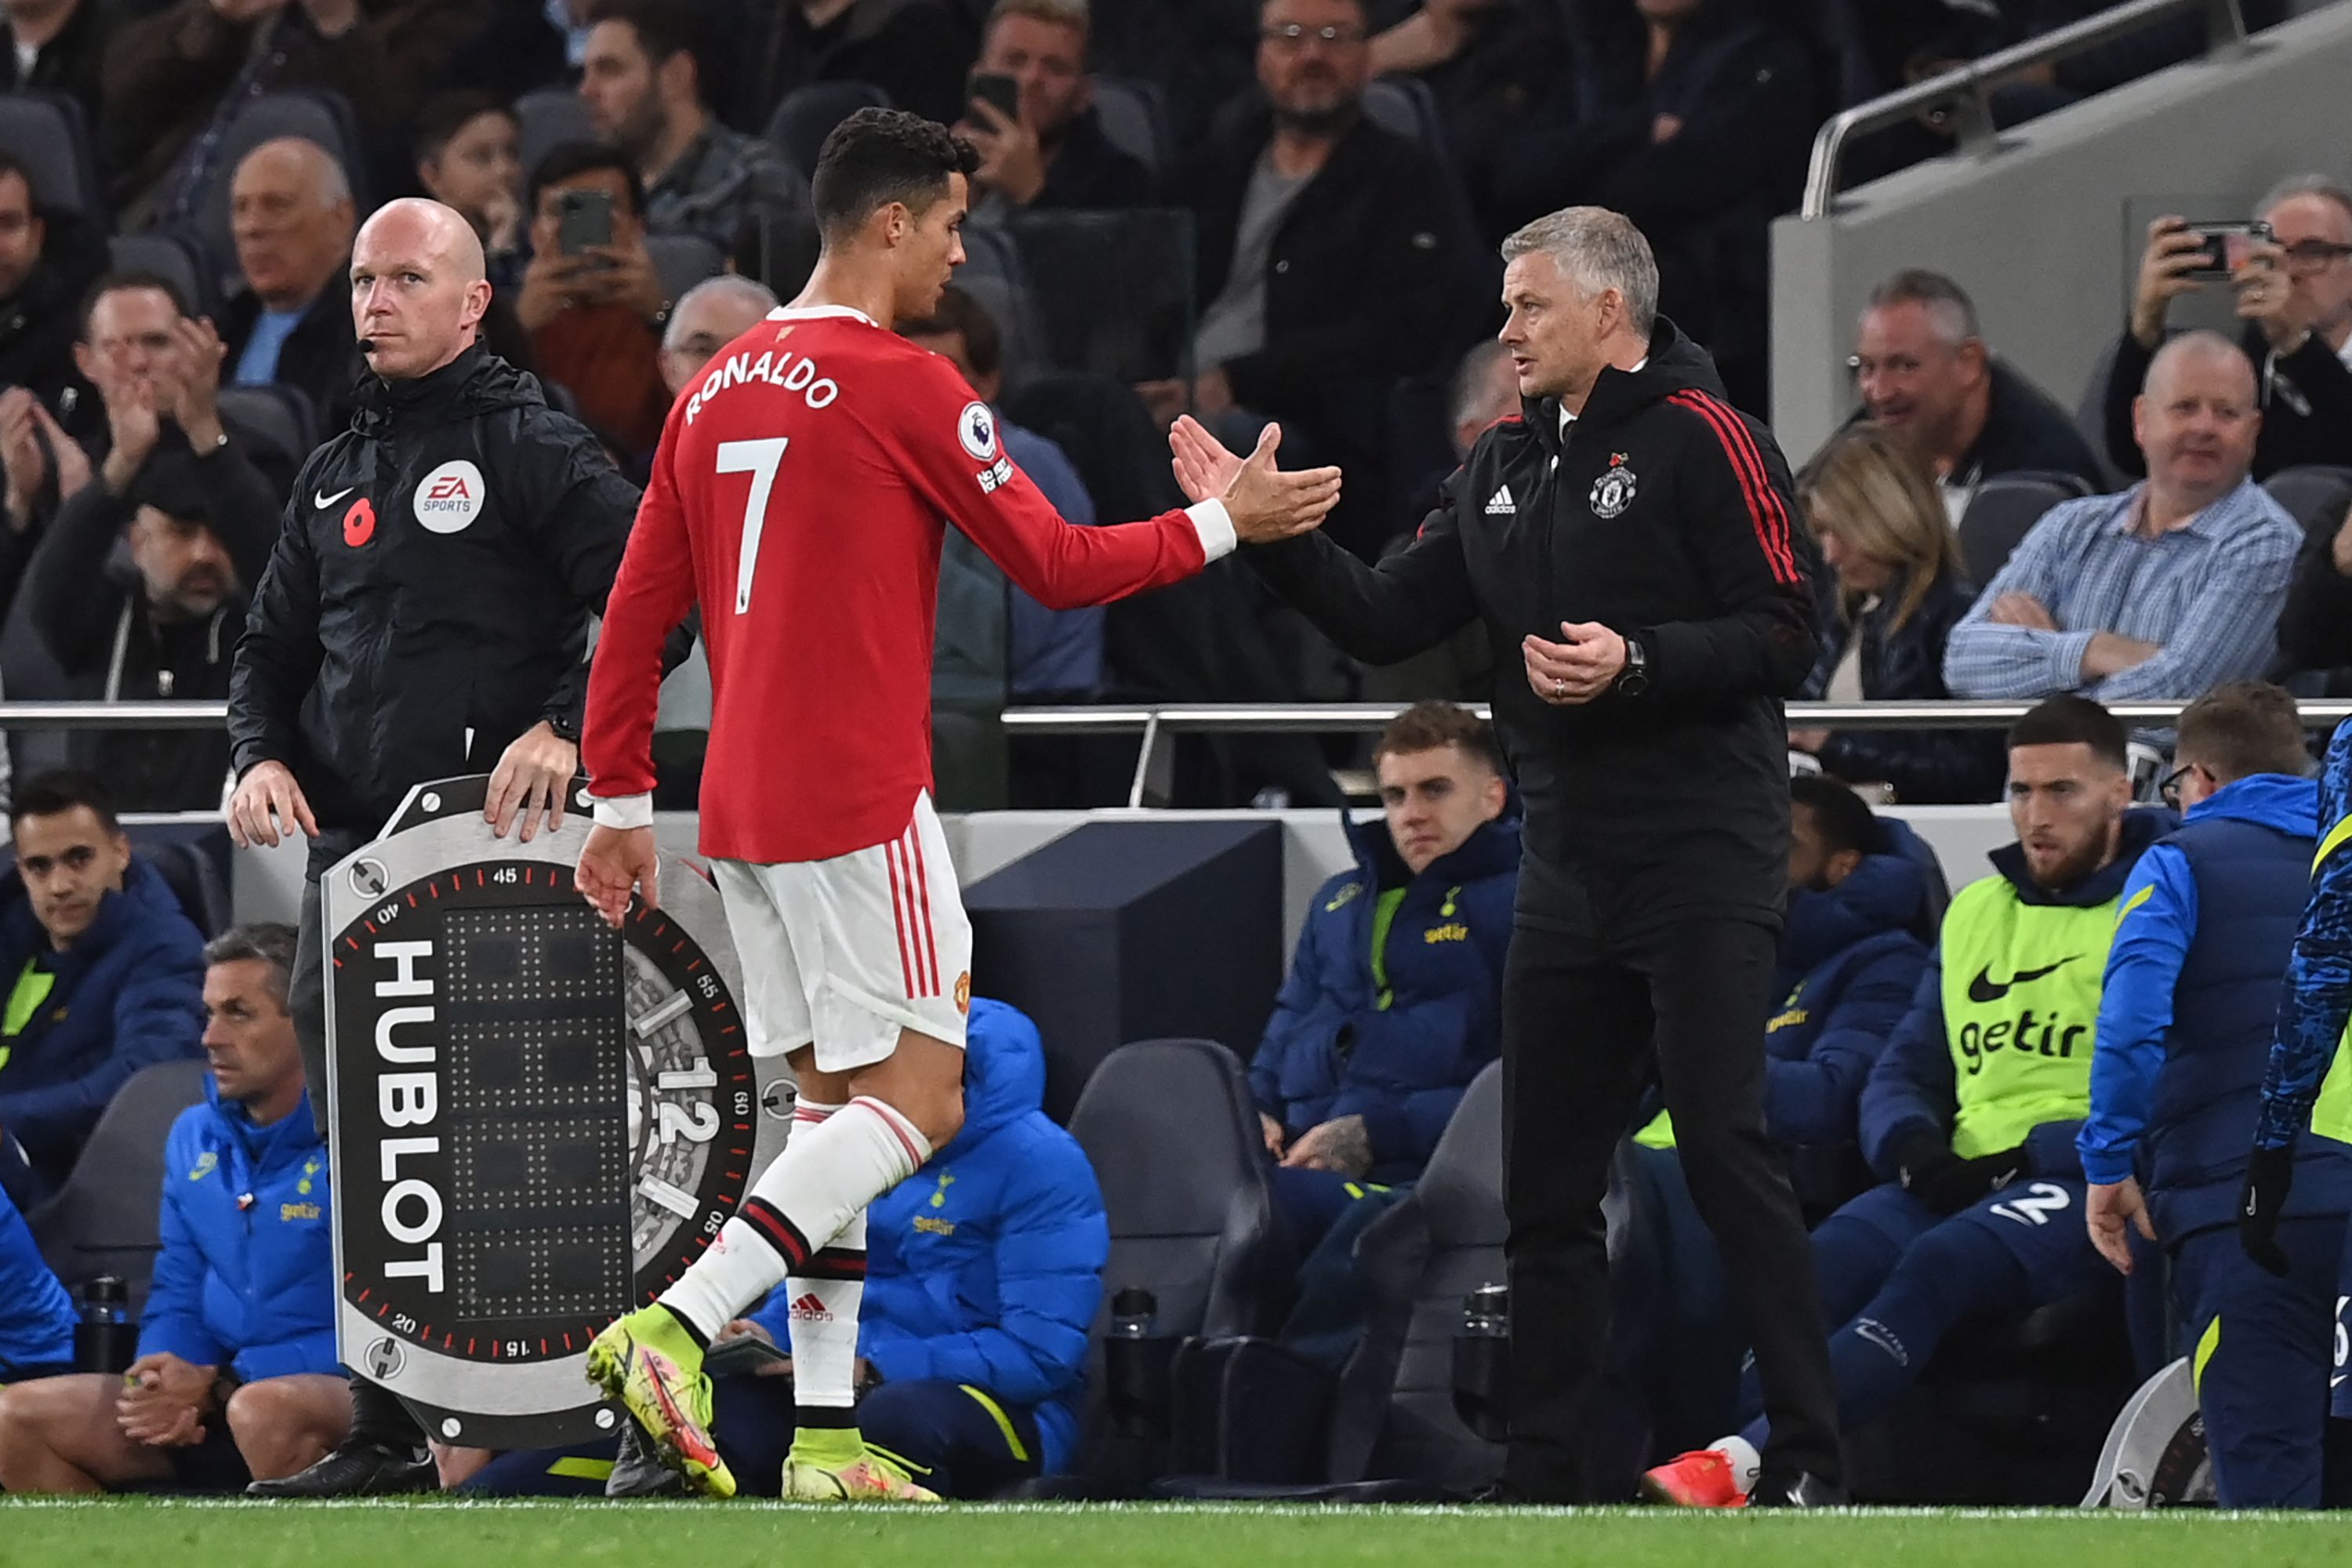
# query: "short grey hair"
[331,183]
[267,941]
[1076,14]
[1466,398]
[1947,303]
[2295,186]
[723,285]
[1596,249]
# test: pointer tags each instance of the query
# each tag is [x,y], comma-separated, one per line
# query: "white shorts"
[849,952]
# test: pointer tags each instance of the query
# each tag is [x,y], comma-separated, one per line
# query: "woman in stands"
[1899,591]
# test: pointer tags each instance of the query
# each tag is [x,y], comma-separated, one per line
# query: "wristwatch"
[564,726]
[1635,679]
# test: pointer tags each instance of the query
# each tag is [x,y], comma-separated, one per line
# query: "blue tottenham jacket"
[2189,1007]
[247,1276]
[128,995]
[985,1266]
[1341,1045]
[2319,975]
[36,1316]
[1913,1086]
[1850,961]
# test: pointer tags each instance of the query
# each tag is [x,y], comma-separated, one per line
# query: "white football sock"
[1745,1461]
[825,1296]
[828,1172]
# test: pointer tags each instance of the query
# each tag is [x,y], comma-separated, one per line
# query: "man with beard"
[1970,1117]
[2159,593]
[1331,250]
[1051,152]
[1923,371]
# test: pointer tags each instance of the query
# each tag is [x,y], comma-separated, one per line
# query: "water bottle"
[1482,1362]
[103,1338]
[1137,1362]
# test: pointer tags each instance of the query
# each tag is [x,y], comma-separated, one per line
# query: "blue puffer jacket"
[985,1266]
[247,1276]
[1913,1086]
[128,995]
[36,1316]
[1340,1044]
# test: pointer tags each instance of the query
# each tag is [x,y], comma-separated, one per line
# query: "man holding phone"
[1031,114]
[2294,290]
[591,300]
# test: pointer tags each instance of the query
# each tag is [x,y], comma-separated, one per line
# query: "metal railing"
[1361,718]
[160,714]
[1967,90]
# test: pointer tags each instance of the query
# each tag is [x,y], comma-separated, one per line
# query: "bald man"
[290,214]
[2161,592]
[424,615]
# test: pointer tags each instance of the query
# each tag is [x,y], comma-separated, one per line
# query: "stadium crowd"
[1242,210]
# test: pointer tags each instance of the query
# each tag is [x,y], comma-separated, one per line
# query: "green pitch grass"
[442,1534]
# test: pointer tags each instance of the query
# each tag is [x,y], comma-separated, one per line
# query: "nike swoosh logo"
[1985,989]
[325,501]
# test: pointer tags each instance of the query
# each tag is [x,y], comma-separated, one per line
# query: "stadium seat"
[1403,106]
[547,118]
[194,880]
[177,257]
[2314,495]
[2002,513]
[275,415]
[1133,120]
[994,274]
[808,114]
[103,1220]
[2091,415]
[314,114]
[682,260]
[47,132]
[1173,1137]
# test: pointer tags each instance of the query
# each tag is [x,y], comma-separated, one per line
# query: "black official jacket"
[1667,517]
[429,595]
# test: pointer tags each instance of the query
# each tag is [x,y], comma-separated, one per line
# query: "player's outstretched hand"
[1265,504]
[614,863]
[1203,467]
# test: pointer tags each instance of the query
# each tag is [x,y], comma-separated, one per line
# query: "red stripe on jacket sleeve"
[1767,513]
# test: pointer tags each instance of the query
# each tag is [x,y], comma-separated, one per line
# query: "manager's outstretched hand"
[1263,503]
[614,863]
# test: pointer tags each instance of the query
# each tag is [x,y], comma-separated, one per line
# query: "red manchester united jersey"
[800,497]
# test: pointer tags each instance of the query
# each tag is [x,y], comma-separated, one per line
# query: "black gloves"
[1930,1172]
[2269,1173]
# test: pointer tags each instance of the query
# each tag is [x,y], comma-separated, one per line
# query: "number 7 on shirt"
[759,460]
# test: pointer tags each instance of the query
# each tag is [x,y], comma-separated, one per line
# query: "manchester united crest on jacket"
[1613,492]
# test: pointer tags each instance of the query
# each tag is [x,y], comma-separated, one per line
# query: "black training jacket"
[429,596]
[1667,517]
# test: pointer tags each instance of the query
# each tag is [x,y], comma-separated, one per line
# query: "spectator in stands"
[36,1316]
[1897,593]
[1485,391]
[1331,251]
[2315,629]
[1054,655]
[2162,592]
[48,258]
[290,210]
[237,1375]
[983,1273]
[56,46]
[1693,118]
[1395,989]
[2296,298]
[109,976]
[643,84]
[469,157]
[2185,1018]
[1926,375]
[1492,69]
[1850,961]
[200,529]
[915,51]
[1976,1099]
[591,310]
[1052,153]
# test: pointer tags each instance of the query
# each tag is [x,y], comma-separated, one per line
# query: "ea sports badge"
[448,497]
[1613,492]
[976,428]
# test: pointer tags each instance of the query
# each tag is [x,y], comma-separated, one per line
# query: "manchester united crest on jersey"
[1613,492]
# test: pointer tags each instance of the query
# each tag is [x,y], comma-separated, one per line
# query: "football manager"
[425,610]
[1630,534]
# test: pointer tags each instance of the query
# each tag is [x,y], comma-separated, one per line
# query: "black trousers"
[1582,1017]
[376,1415]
